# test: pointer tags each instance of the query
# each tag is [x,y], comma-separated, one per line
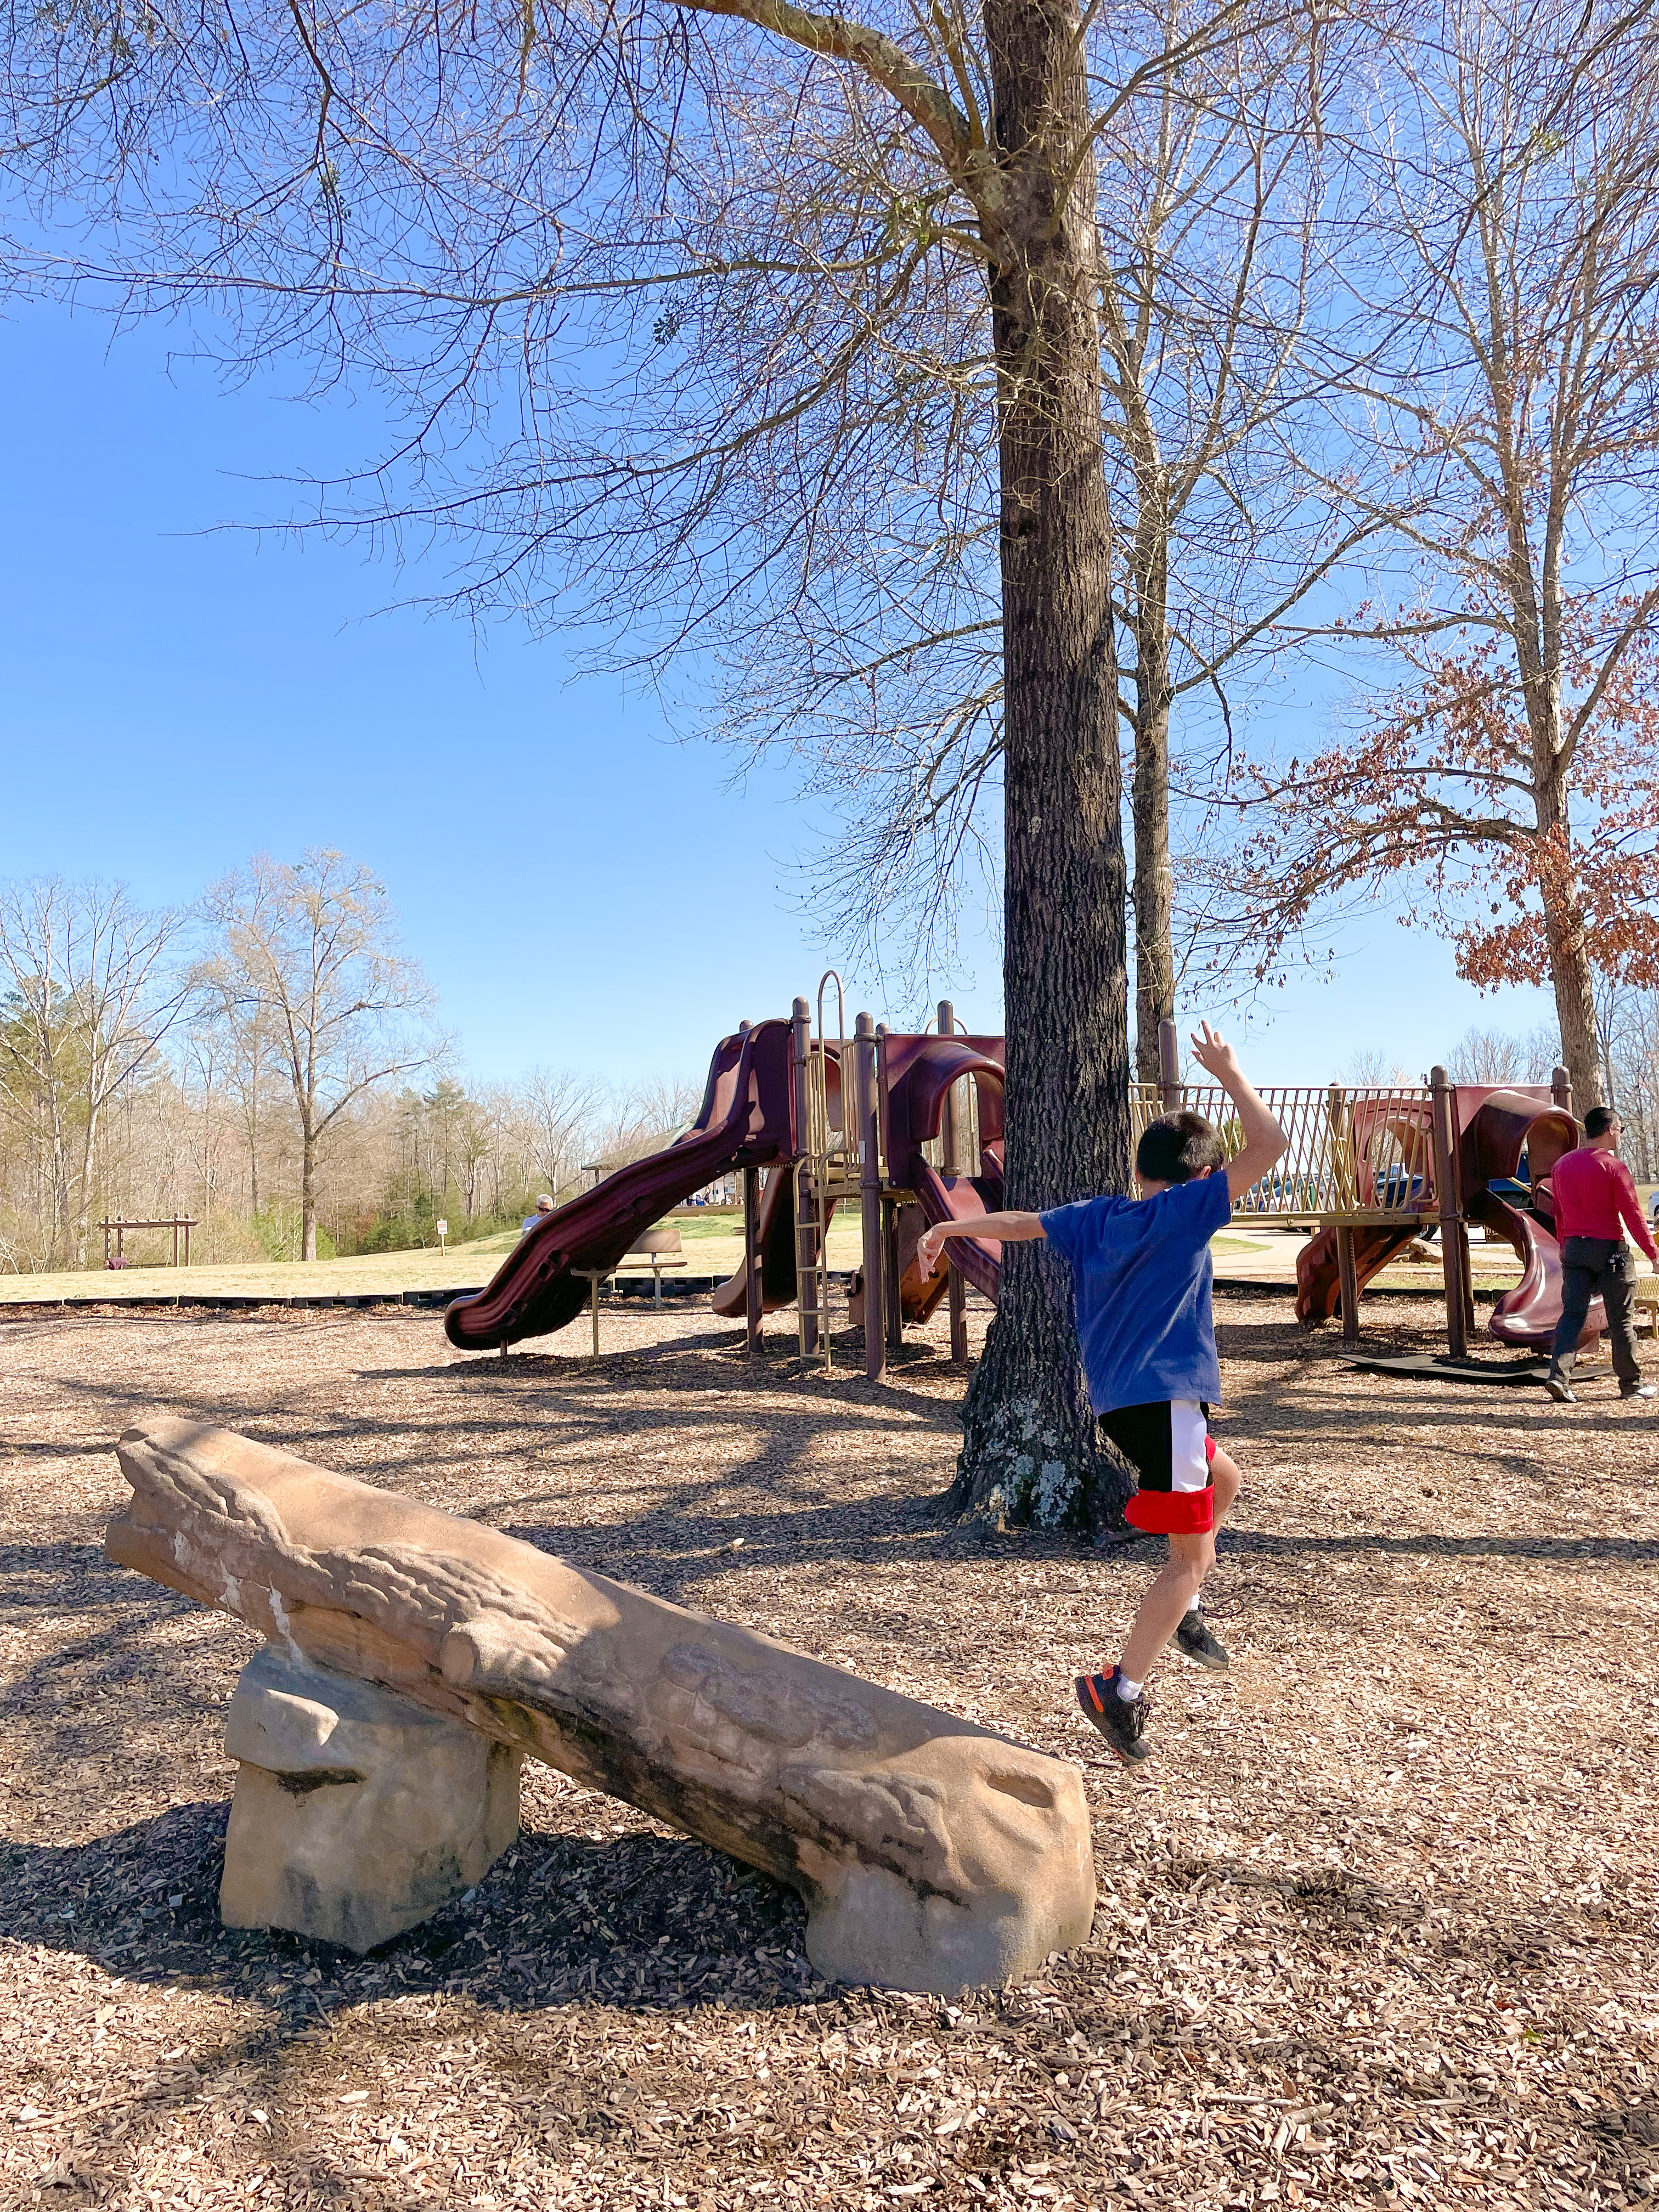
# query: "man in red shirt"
[1594,1196]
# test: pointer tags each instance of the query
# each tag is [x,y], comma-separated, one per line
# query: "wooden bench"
[655,1249]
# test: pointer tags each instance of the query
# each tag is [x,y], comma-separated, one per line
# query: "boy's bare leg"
[1224,1470]
[1174,1589]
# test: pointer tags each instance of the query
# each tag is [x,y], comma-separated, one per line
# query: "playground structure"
[1371,1169]
[907,1127]
[910,1128]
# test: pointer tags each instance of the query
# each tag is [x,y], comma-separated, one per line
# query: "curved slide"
[746,1120]
[1504,1125]
[916,1074]
[1318,1280]
[777,1251]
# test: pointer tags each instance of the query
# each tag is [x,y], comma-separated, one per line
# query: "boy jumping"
[1140,1270]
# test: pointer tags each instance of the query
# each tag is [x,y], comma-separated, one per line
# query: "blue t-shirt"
[1140,1273]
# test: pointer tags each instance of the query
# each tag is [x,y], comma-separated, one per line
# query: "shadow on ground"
[639,1919]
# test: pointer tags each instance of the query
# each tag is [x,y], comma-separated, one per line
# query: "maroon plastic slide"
[1318,1278]
[916,1072]
[746,1120]
[1501,1125]
[777,1251]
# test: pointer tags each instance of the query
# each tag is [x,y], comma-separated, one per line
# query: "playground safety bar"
[1363,1153]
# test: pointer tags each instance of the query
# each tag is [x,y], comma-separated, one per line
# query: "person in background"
[544,1207]
[1595,1201]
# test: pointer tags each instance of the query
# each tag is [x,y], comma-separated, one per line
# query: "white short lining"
[1190,1463]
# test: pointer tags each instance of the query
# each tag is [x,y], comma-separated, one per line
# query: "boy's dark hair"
[1178,1147]
[1600,1120]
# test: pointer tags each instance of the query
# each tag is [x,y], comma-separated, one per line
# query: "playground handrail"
[1356,1152]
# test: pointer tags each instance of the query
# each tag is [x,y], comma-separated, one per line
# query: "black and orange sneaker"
[1193,1638]
[1121,1720]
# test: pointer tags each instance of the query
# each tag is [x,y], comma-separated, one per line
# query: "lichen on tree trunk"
[1031,1451]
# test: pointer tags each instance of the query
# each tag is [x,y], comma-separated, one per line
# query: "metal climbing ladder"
[827,1169]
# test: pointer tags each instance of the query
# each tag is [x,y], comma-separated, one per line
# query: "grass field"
[711,1246]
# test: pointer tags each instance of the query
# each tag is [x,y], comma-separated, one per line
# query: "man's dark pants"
[1597,1266]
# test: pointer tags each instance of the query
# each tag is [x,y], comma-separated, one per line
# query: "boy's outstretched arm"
[1264,1140]
[1006,1228]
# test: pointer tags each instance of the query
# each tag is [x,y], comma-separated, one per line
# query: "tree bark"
[307,1196]
[1154,876]
[1031,1451]
[1575,999]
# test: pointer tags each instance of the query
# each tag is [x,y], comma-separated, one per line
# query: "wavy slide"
[746,1120]
[1503,1126]
[916,1075]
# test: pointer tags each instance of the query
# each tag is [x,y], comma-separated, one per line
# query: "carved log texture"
[932,1854]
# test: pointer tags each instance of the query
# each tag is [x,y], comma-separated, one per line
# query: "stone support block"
[357,1812]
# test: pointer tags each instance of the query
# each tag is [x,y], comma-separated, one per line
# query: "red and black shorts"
[1170,1448]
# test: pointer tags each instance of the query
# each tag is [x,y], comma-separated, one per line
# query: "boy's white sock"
[1126,1689]
[1192,1609]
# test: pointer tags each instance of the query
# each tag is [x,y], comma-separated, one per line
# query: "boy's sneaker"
[1638,1390]
[1560,1389]
[1119,1720]
[1196,1641]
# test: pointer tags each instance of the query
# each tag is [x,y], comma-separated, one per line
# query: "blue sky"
[584,890]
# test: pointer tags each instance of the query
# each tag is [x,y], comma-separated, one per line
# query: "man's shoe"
[1196,1641]
[1638,1390]
[1121,1720]
[1560,1389]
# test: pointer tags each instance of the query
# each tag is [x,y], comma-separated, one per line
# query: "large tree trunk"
[1565,939]
[1154,878]
[307,1196]
[1575,999]
[1030,1449]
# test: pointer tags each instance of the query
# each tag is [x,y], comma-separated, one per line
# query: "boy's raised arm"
[1264,1140]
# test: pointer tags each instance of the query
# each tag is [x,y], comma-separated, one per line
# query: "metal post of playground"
[1347,1276]
[892,1304]
[751,1258]
[1454,1230]
[953,1166]
[594,1277]
[1561,1089]
[809,1261]
[1169,1067]
[867,1093]
[1344,1198]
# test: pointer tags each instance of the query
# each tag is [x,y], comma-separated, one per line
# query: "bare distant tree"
[1513,775]
[559,1110]
[646,1118]
[1219,294]
[308,950]
[1488,1056]
[85,996]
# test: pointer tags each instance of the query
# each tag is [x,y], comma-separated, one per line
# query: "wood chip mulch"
[1376,1925]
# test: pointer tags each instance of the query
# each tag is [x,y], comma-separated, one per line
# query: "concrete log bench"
[413,1659]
